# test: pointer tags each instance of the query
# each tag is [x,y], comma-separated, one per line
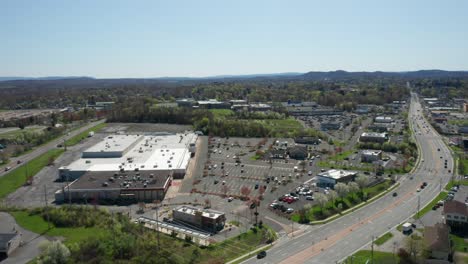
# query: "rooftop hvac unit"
[151,175]
[212,215]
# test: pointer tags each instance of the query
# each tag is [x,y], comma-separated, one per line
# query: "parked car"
[309,197]
[395,194]
[289,210]
[230,199]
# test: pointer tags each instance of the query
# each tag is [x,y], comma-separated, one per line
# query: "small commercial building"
[371,155]
[437,241]
[259,107]
[330,126]
[307,140]
[213,104]
[8,243]
[383,119]
[331,177]
[205,219]
[373,137]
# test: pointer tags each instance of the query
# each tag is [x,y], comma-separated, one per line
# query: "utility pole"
[157,223]
[46,207]
[419,204]
[372,250]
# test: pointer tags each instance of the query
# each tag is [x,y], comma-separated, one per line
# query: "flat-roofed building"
[117,187]
[383,119]
[130,152]
[373,137]
[371,155]
[206,219]
[331,177]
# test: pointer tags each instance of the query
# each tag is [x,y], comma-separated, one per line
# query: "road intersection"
[334,241]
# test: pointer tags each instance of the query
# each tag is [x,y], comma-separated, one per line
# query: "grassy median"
[18,177]
[78,138]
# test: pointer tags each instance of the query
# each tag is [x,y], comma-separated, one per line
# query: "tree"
[225,189]
[414,246]
[54,253]
[245,191]
[353,187]
[332,195]
[342,190]
[321,200]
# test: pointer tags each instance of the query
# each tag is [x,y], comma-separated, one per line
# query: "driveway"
[31,241]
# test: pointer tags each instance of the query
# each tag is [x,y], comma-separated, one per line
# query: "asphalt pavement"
[334,241]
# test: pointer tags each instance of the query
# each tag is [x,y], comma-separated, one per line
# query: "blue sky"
[202,38]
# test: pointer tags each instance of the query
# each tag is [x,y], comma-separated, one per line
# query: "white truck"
[91,133]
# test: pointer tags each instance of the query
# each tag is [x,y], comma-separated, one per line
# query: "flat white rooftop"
[373,134]
[113,144]
[205,213]
[371,152]
[336,174]
[145,152]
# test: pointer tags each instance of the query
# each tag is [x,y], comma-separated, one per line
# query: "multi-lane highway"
[44,148]
[338,239]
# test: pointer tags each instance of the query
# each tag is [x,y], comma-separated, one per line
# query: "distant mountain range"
[313,75]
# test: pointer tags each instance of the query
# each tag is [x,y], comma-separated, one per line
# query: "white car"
[309,197]
[289,210]
[230,199]
[418,190]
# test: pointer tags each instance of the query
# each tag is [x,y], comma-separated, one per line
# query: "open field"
[12,133]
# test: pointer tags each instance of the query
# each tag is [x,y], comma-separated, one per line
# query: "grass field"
[225,251]
[78,138]
[222,113]
[282,127]
[384,238]
[17,177]
[16,132]
[458,122]
[364,257]
[428,207]
[36,224]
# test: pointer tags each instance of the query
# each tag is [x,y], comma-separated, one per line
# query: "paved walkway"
[31,241]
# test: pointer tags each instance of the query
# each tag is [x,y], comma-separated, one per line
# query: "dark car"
[261,255]
[395,194]
[424,184]
[256,186]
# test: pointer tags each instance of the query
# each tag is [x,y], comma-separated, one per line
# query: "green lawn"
[225,251]
[464,164]
[458,122]
[240,245]
[282,126]
[428,208]
[459,243]
[222,113]
[364,257]
[36,224]
[384,238]
[77,139]
[452,183]
[16,178]
[15,133]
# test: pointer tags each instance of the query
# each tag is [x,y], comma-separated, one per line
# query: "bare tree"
[245,191]
[321,200]
[342,190]
[332,195]
[353,187]
[362,181]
